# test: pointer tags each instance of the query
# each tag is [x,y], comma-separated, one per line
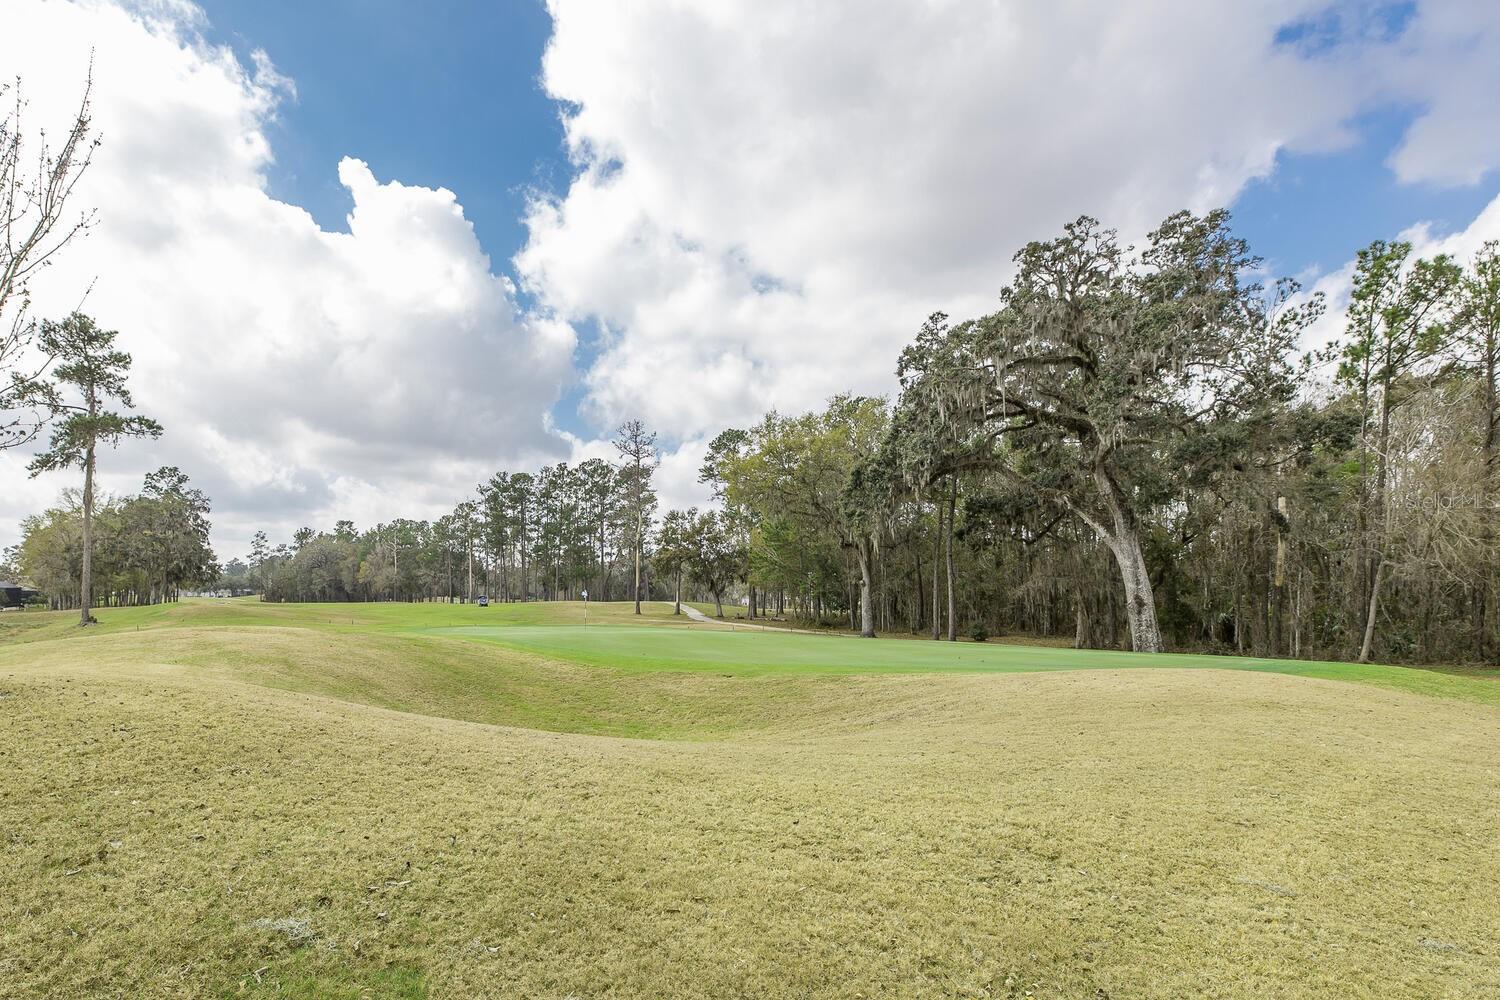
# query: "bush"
[980,633]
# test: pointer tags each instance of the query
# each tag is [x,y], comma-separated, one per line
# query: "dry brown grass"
[1085,834]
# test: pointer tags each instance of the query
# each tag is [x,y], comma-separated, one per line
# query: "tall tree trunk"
[1486,490]
[1297,618]
[921,598]
[86,576]
[948,557]
[677,604]
[1367,647]
[937,562]
[1379,527]
[1363,572]
[1140,602]
[1124,542]
[866,598]
[1278,582]
[1239,621]
[640,529]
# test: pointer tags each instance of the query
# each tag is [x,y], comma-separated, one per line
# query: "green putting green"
[749,652]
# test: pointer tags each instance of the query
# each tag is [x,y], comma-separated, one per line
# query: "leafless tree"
[638,460]
[37,181]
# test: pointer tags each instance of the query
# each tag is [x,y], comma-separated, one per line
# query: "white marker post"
[585,609]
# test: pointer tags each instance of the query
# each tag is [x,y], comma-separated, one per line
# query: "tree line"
[553,534]
[1135,451]
[146,548]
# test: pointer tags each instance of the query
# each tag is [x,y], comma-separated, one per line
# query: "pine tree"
[638,461]
[90,372]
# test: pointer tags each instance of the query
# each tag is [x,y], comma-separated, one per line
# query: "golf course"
[235,798]
[551,500]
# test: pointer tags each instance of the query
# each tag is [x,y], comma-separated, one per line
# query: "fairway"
[244,799]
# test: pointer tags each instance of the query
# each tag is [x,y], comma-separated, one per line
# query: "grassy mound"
[245,800]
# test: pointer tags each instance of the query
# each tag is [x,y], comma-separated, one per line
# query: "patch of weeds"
[296,930]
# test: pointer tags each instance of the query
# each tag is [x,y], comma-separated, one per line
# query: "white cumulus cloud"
[301,374]
[770,197]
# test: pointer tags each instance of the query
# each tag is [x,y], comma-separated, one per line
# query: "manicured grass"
[241,799]
[376,617]
[611,638]
[753,652]
[447,678]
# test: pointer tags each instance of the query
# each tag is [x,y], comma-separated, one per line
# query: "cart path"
[703,619]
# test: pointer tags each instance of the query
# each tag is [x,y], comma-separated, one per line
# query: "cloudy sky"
[366,252]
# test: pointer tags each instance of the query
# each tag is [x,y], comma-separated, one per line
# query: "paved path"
[700,617]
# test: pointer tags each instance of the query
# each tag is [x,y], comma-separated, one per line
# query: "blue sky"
[1316,209]
[439,93]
